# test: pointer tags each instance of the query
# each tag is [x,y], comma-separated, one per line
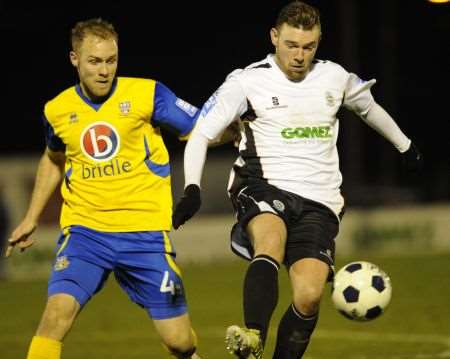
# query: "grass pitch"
[416,324]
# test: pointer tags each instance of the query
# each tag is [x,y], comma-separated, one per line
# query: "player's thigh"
[58,317]
[268,234]
[80,269]
[176,332]
[312,235]
[151,277]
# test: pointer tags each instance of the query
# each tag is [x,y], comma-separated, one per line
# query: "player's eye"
[310,47]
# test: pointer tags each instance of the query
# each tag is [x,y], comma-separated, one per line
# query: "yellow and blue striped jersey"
[117,172]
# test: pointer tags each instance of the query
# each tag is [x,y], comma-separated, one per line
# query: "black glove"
[412,159]
[188,205]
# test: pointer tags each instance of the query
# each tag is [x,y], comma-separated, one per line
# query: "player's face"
[295,49]
[96,63]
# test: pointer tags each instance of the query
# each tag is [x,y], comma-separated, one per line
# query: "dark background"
[192,46]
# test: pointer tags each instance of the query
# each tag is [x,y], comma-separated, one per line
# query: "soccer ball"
[361,291]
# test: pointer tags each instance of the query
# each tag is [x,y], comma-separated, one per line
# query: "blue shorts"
[143,264]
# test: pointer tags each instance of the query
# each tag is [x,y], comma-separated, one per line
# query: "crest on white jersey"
[278,205]
[329,99]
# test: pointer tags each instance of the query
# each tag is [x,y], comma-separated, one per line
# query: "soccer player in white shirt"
[285,184]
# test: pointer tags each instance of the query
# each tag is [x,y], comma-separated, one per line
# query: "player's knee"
[181,346]
[270,246]
[58,316]
[54,326]
[308,300]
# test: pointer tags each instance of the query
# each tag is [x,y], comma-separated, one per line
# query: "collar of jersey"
[271,60]
[95,106]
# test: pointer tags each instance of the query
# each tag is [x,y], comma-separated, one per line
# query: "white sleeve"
[358,99]
[380,121]
[194,158]
[223,107]
[357,96]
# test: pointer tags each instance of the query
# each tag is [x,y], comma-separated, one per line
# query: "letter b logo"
[100,141]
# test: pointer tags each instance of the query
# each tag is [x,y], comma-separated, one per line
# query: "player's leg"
[177,336]
[72,283]
[309,257]
[267,233]
[59,315]
[263,211]
[147,272]
[308,277]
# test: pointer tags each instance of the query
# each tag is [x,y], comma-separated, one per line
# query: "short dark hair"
[97,26]
[298,14]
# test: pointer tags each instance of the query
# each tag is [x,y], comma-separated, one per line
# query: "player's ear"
[274,36]
[74,58]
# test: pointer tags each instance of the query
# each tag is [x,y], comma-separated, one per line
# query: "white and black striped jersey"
[289,129]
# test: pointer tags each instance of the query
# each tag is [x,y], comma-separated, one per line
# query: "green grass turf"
[416,324]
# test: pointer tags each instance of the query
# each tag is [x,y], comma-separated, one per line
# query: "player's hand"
[412,159]
[21,237]
[188,205]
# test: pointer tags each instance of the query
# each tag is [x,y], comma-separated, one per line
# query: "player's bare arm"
[49,175]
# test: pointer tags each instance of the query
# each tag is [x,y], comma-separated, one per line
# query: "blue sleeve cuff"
[53,141]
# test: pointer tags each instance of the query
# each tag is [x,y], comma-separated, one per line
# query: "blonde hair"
[97,27]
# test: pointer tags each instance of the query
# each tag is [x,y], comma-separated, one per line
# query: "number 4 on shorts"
[167,285]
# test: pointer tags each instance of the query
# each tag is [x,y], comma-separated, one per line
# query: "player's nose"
[103,70]
[299,56]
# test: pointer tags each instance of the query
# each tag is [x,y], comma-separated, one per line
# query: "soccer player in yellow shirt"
[104,146]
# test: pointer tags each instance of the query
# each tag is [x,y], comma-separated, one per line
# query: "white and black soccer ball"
[361,291]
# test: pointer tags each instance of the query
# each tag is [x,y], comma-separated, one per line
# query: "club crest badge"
[329,99]
[278,205]
[61,263]
[125,107]
[73,118]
